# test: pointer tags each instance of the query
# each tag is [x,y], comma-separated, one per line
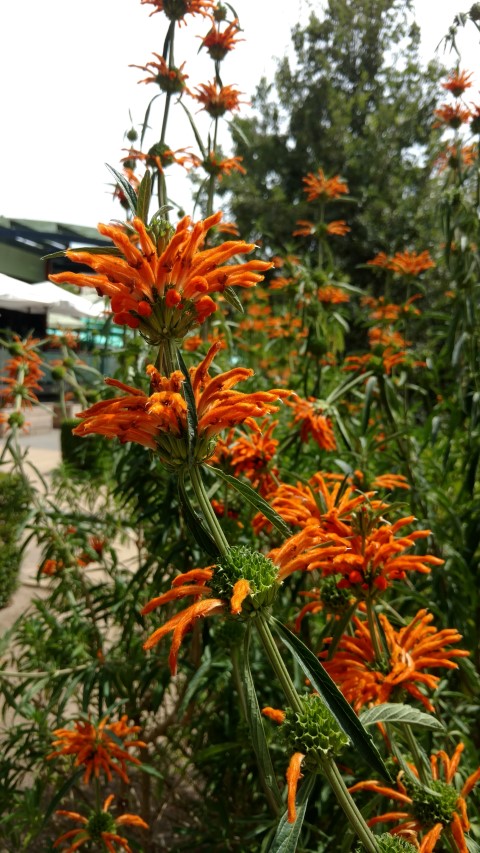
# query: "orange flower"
[160,156]
[159,421]
[293,775]
[251,455]
[218,100]
[100,826]
[313,422]
[331,295]
[457,83]
[454,116]
[163,287]
[274,714]
[364,680]
[338,227]
[220,43]
[318,186]
[307,229]
[176,10]
[22,373]
[97,748]
[455,156]
[420,811]
[308,550]
[404,263]
[171,80]
[214,165]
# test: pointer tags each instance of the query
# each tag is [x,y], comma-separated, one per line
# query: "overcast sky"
[67,89]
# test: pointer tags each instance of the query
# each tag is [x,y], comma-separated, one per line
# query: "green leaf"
[255,721]
[232,299]
[287,834]
[394,712]
[144,196]
[255,500]
[194,523]
[54,802]
[92,250]
[128,190]
[369,389]
[334,700]
[192,420]
[198,138]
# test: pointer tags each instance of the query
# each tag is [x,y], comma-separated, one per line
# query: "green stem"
[416,754]
[211,519]
[328,765]
[373,629]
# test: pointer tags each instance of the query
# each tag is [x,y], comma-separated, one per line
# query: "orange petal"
[274,714]
[293,775]
[241,591]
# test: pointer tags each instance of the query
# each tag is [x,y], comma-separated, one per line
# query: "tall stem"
[332,773]
[211,519]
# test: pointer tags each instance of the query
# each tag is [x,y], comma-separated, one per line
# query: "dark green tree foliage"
[356,102]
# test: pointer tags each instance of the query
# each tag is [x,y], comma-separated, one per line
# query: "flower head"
[100,826]
[175,10]
[169,79]
[251,456]
[218,100]
[310,415]
[215,165]
[453,116]
[429,809]
[404,263]
[218,43]
[317,186]
[457,83]
[164,285]
[99,748]
[411,651]
[22,373]
[159,420]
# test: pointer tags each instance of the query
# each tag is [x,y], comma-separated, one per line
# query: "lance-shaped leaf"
[128,190]
[287,834]
[394,712]
[192,419]
[255,500]
[195,524]
[334,700]
[144,196]
[231,297]
[255,723]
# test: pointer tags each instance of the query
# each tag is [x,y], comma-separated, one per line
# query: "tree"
[356,102]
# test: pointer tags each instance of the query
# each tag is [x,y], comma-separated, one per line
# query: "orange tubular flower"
[293,774]
[454,116]
[306,551]
[96,749]
[326,189]
[159,421]
[331,295]
[423,813]
[457,83]
[164,287]
[22,373]
[160,156]
[313,422]
[338,227]
[218,100]
[411,651]
[251,456]
[404,263]
[219,43]
[100,826]
[171,80]
[214,165]
[176,10]
[307,229]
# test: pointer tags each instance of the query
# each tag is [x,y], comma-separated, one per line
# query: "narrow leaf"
[334,700]
[195,525]
[59,795]
[255,500]
[369,389]
[287,834]
[198,138]
[128,190]
[144,196]
[232,299]
[393,712]
[255,722]
[92,250]
[192,420]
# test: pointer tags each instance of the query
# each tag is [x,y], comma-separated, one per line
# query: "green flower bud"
[389,844]
[58,373]
[313,731]
[100,822]
[433,804]
[475,12]
[241,562]
[132,135]
[16,419]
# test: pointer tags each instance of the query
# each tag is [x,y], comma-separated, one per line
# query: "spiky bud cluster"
[100,822]
[433,804]
[335,600]
[313,731]
[389,844]
[242,563]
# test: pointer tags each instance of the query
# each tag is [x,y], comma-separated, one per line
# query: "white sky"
[67,90]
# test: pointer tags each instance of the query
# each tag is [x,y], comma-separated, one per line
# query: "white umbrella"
[62,302]
[19,296]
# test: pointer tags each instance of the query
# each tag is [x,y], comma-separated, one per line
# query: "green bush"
[15,497]
[89,455]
